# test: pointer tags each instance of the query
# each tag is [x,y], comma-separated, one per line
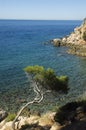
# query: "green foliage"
[47,78]
[34,69]
[64,82]
[10,117]
[84,35]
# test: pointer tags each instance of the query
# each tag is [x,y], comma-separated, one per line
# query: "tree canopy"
[47,78]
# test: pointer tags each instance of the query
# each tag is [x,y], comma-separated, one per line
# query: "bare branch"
[37,99]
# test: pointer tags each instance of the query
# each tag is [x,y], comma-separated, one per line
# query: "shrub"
[69,112]
[10,117]
[64,113]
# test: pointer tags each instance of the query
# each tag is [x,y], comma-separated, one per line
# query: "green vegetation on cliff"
[10,117]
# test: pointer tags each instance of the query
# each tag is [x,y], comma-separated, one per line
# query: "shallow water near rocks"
[23,43]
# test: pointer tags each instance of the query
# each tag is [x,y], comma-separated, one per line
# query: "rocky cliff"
[76,41]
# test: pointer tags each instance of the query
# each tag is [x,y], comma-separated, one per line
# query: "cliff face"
[76,41]
[76,37]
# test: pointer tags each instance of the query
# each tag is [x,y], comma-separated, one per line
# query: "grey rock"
[3,114]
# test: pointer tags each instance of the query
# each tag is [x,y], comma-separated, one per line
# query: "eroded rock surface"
[76,41]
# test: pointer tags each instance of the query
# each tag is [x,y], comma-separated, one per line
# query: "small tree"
[45,80]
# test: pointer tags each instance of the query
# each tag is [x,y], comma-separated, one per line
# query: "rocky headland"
[76,41]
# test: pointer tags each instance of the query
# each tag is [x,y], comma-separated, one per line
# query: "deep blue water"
[22,43]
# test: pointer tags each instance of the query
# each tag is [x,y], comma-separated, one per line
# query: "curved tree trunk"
[37,99]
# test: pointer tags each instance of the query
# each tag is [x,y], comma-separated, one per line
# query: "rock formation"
[76,41]
[3,115]
[34,122]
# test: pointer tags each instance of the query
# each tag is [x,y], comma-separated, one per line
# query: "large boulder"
[56,42]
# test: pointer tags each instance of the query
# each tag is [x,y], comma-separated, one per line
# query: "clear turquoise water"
[22,44]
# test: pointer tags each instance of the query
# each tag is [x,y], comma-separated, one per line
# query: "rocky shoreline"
[76,41]
[32,122]
[71,116]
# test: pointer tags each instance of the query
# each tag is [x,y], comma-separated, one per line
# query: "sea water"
[26,42]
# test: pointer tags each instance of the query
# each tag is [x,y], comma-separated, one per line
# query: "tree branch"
[37,99]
